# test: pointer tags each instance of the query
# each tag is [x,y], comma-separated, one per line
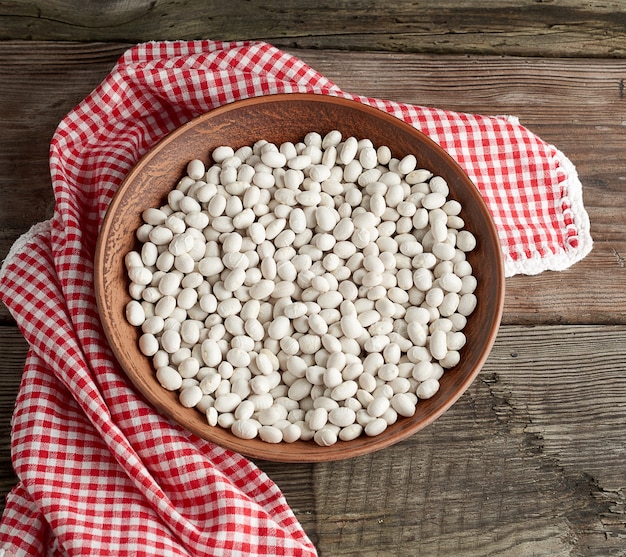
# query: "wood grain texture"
[518,27]
[577,105]
[13,348]
[512,469]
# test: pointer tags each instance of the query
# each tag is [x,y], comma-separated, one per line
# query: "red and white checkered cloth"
[102,473]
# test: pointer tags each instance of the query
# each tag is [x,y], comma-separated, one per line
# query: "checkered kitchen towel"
[100,472]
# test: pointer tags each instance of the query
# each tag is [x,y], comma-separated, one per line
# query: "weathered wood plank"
[573,104]
[13,348]
[517,27]
[541,91]
[512,469]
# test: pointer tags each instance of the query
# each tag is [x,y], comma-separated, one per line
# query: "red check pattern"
[101,473]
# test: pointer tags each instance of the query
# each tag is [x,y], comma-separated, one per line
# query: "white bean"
[344,391]
[188,368]
[262,289]
[318,419]
[407,164]
[210,383]
[190,396]
[272,415]
[375,427]
[169,378]
[170,340]
[291,433]
[428,388]
[467,304]
[299,389]
[465,241]
[270,434]
[245,429]
[325,437]
[443,251]
[135,313]
[227,402]
[342,416]
[403,405]
[350,432]
[351,327]
[378,406]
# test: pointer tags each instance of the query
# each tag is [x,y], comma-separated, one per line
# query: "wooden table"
[530,461]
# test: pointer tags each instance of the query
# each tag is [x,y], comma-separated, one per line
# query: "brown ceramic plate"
[280,118]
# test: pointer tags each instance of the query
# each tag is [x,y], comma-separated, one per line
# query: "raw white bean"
[375,427]
[188,368]
[318,419]
[245,429]
[407,164]
[403,405]
[351,327]
[428,388]
[169,378]
[344,391]
[135,313]
[310,344]
[342,416]
[317,324]
[262,290]
[450,282]
[270,434]
[332,376]
[465,240]
[443,251]
[140,275]
[350,432]
[272,415]
[330,342]
[438,344]
[378,406]
[227,402]
[170,341]
[467,304]
[325,437]
[210,383]
[388,371]
[238,357]
[291,433]
[299,389]
[190,396]
[245,410]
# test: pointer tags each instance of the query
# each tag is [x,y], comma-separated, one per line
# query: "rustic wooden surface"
[518,27]
[530,461]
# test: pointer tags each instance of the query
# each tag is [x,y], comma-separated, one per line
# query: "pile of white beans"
[314,290]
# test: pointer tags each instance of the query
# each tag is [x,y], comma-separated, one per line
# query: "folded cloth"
[100,471]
